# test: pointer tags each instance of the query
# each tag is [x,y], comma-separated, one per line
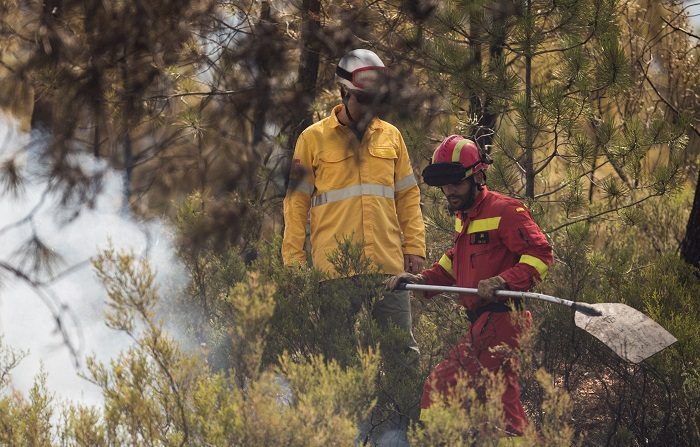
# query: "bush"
[284,357]
[634,261]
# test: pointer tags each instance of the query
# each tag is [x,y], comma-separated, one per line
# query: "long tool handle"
[581,307]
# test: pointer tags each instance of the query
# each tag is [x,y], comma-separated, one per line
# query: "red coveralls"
[496,236]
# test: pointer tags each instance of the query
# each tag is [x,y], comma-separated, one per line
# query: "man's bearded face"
[460,196]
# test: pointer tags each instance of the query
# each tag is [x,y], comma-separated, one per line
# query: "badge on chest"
[479,238]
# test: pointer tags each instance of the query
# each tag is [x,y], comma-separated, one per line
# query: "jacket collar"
[472,212]
[333,119]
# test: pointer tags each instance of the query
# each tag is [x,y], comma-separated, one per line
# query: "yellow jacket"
[365,190]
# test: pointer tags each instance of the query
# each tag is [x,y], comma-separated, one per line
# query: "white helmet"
[360,70]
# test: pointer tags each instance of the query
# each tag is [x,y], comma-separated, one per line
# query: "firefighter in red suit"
[497,245]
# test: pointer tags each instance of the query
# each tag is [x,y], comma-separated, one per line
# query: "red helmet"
[454,160]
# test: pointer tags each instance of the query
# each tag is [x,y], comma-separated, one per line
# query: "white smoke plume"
[27,319]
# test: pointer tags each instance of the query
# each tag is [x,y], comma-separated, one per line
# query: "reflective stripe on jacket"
[497,236]
[346,188]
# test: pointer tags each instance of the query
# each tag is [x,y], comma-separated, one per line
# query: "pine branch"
[602,213]
[588,174]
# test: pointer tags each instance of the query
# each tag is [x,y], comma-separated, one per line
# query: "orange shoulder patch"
[519,209]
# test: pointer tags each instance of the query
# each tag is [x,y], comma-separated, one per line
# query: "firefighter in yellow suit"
[351,177]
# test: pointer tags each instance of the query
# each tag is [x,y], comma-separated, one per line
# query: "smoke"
[27,315]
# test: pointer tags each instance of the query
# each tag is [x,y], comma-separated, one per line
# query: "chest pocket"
[380,165]
[336,167]
[481,246]
[482,237]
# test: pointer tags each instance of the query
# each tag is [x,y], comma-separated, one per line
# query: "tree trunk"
[475,26]
[262,83]
[308,67]
[481,104]
[690,247]
[127,144]
[96,136]
[529,163]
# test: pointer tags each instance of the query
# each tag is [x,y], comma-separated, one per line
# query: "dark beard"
[468,202]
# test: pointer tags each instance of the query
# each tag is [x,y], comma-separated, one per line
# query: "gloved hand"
[488,287]
[403,278]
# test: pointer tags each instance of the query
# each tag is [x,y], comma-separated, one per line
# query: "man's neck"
[345,121]
[479,195]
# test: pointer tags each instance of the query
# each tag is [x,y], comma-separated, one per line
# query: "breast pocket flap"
[334,155]
[383,152]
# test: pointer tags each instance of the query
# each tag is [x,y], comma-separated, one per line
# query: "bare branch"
[209,93]
[663,99]
[58,310]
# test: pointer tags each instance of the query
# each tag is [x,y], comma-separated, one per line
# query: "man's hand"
[488,287]
[413,263]
[404,278]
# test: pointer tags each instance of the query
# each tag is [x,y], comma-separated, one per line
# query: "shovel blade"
[628,332]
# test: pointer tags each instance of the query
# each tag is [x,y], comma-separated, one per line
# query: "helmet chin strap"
[480,185]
